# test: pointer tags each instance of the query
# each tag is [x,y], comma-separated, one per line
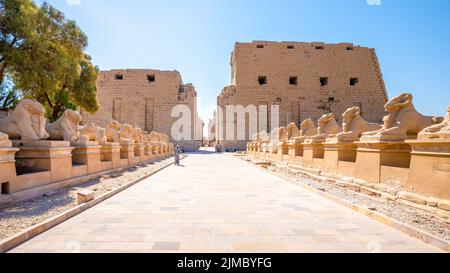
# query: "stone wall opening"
[323,81]
[293,81]
[118,77]
[262,80]
[151,78]
[354,81]
[5,188]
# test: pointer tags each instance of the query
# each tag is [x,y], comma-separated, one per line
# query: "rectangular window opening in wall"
[323,81]
[320,47]
[262,80]
[290,47]
[354,81]
[293,81]
[118,77]
[151,78]
[259,46]
[349,48]
[331,99]
[5,188]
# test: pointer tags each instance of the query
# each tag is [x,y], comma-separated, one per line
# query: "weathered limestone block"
[429,173]
[26,123]
[7,164]
[66,127]
[87,153]
[403,121]
[444,204]
[354,126]
[90,132]
[412,197]
[85,196]
[376,161]
[112,131]
[339,157]
[110,152]
[46,155]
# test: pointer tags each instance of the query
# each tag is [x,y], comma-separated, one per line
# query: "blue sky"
[196,37]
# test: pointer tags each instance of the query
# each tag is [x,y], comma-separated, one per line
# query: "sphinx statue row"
[409,151]
[27,123]
[37,156]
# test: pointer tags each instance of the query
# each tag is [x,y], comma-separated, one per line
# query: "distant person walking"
[177,155]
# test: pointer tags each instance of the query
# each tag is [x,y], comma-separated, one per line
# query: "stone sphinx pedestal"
[139,152]
[339,157]
[87,153]
[282,152]
[429,172]
[7,167]
[313,152]
[45,155]
[110,152]
[148,151]
[272,152]
[126,153]
[156,150]
[295,152]
[377,161]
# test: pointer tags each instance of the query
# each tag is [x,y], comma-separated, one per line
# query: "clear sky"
[196,37]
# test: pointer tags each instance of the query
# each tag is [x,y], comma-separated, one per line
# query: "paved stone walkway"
[218,203]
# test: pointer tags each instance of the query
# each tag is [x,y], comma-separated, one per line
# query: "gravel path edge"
[379,217]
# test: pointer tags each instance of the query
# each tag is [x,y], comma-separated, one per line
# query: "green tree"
[9,95]
[47,60]
[17,26]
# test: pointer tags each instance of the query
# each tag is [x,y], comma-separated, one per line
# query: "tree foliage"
[44,54]
[9,95]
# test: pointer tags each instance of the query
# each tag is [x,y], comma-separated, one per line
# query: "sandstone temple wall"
[144,98]
[306,80]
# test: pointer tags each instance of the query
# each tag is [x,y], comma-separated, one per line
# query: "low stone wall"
[415,171]
[45,166]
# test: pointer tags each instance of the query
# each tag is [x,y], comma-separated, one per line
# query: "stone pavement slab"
[217,203]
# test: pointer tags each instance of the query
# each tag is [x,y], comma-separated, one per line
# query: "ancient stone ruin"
[406,158]
[37,157]
[144,98]
[305,80]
